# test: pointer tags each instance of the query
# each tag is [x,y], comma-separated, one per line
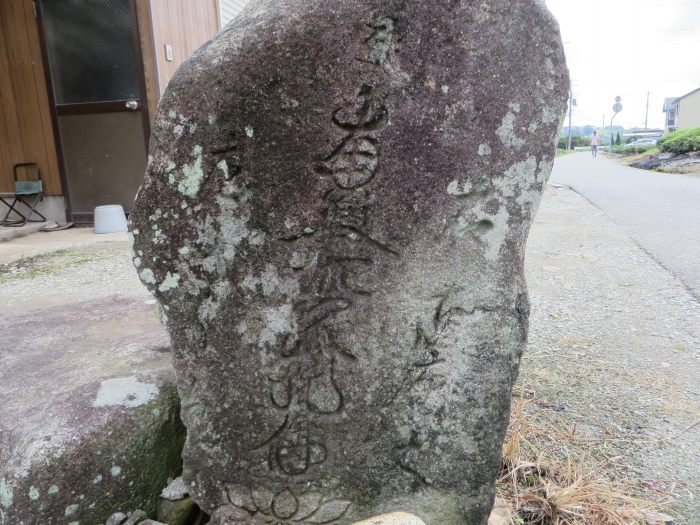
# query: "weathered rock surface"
[88,413]
[395,518]
[334,220]
[116,519]
[137,517]
[176,490]
[180,512]
[500,515]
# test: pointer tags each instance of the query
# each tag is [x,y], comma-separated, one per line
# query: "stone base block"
[395,518]
[89,413]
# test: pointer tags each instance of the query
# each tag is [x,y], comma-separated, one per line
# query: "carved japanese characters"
[333,223]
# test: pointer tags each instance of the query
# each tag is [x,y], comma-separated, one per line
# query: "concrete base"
[53,208]
[395,518]
[89,413]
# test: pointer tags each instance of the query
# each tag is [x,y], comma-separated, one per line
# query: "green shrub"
[633,150]
[682,141]
[576,142]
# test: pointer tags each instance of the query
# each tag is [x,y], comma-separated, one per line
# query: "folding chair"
[27,192]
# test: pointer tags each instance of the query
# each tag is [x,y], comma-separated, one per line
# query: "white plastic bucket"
[110,219]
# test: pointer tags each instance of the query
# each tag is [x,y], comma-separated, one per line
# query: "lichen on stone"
[278,322]
[171,281]
[454,188]
[257,238]
[131,239]
[6,494]
[549,115]
[147,277]
[209,308]
[124,391]
[190,179]
[506,132]
[223,166]
[160,314]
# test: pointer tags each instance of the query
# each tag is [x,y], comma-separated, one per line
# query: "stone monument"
[333,221]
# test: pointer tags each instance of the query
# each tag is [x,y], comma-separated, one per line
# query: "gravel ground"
[615,346]
[68,276]
[614,341]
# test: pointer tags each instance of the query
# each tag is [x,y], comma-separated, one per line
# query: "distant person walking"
[595,140]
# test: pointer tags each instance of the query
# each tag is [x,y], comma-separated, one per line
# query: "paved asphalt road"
[660,211]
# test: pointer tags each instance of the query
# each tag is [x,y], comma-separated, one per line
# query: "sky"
[627,48]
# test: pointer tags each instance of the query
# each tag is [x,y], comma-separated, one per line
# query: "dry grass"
[551,476]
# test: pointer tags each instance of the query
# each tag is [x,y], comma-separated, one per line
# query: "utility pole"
[570,105]
[602,131]
[646,120]
[616,109]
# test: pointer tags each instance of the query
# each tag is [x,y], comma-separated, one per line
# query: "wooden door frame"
[96,107]
[140,72]
[52,109]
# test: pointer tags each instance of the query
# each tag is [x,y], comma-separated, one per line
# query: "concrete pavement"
[32,242]
[660,211]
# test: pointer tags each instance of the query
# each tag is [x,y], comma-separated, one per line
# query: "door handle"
[132,105]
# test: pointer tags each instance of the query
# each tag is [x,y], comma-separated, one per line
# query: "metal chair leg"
[27,218]
[6,221]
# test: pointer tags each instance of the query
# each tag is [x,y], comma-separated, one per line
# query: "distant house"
[671,114]
[683,112]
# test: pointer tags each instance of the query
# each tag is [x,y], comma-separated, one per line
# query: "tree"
[618,140]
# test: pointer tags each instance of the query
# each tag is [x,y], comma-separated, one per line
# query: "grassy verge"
[683,141]
[552,475]
[635,150]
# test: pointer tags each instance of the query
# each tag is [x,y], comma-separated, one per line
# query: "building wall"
[689,111]
[183,24]
[671,120]
[26,131]
[230,9]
